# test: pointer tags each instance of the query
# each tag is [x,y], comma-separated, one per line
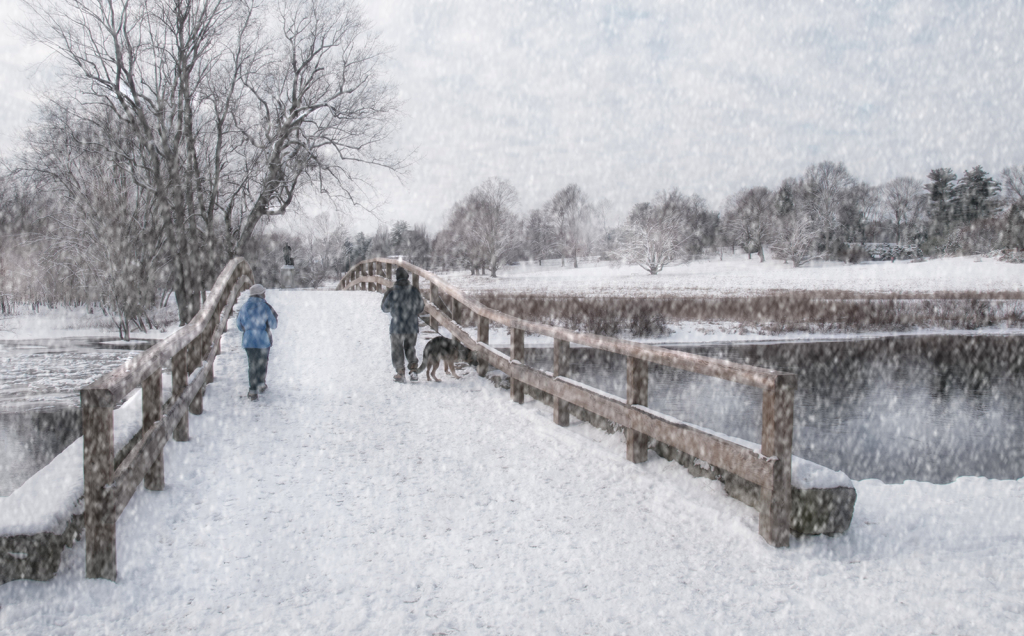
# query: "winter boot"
[400,376]
[253,395]
[414,376]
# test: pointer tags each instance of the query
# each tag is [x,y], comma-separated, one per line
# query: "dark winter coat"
[255,320]
[405,304]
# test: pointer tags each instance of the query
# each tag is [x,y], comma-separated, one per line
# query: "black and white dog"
[441,349]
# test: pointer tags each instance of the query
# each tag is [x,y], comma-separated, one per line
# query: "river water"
[39,399]
[926,408]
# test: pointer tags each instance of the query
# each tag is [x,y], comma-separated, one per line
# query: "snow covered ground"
[738,276]
[344,503]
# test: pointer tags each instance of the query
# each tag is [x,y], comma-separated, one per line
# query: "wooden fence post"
[179,381]
[152,408]
[483,328]
[456,312]
[195,407]
[433,298]
[636,393]
[389,272]
[559,367]
[100,524]
[517,352]
[777,441]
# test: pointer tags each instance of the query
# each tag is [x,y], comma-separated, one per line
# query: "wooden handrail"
[770,468]
[109,484]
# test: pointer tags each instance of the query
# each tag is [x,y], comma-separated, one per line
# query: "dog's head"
[465,353]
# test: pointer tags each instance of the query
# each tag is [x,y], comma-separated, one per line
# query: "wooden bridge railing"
[769,468]
[112,477]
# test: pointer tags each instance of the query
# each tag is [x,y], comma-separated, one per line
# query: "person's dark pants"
[258,359]
[403,347]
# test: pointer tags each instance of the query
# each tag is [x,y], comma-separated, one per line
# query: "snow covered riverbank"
[342,502]
[738,276]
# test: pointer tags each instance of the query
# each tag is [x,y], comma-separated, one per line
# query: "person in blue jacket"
[405,304]
[255,320]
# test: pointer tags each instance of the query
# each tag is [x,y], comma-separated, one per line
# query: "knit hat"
[401,274]
[257,290]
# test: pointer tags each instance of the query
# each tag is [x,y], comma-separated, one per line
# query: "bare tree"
[749,219]
[540,236]
[571,212]
[1013,185]
[483,231]
[830,201]
[234,106]
[320,248]
[797,234]
[905,203]
[103,231]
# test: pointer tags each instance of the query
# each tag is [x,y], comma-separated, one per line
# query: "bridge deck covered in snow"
[343,502]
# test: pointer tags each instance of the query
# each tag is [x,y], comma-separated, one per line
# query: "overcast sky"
[629,98]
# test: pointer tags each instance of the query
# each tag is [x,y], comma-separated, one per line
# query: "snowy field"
[738,276]
[344,503]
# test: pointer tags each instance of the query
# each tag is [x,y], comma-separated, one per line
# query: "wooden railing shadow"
[770,468]
[112,477]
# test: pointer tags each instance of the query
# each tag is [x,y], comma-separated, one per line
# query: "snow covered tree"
[975,196]
[659,233]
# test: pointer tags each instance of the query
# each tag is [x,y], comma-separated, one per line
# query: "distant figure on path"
[255,320]
[405,304]
[288,260]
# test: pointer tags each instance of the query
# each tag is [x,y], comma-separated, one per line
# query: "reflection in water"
[927,408]
[30,440]
[39,397]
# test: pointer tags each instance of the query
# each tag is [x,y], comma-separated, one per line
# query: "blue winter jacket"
[255,320]
[405,304]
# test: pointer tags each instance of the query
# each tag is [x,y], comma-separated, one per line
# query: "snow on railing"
[769,465]
[111,476]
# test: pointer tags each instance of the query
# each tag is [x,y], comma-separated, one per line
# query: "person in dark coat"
[405,304]
[255,320]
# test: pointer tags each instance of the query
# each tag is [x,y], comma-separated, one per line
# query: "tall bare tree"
[749,219]
[234,105]
[483,230]
[905,203]
[571,212]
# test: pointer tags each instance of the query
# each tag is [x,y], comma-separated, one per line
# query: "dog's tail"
[423,365]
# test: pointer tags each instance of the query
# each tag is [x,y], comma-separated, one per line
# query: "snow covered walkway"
[342,502]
